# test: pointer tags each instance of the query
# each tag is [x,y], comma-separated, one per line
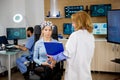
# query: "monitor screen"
[99,28]
[68,28]
[16,33]
[69,10]
[99,10]
[113,30]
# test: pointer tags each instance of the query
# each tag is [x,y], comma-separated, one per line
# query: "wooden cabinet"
[104,53]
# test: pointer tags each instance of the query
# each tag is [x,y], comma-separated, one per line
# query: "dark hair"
[30,29]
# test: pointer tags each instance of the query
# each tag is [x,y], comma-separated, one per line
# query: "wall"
[8,9]
[62,3]
[32,11]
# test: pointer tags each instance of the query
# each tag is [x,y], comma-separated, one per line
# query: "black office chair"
[31,66]
[37,32]
[3,40]
[59,66]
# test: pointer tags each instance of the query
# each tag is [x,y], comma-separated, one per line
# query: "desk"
[9,53]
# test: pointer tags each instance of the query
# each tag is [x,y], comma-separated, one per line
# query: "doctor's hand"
[47,64]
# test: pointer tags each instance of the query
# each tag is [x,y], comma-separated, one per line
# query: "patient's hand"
[48,64]
[53,62]
[50,58]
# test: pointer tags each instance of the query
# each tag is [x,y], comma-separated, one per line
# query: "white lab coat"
[79,49]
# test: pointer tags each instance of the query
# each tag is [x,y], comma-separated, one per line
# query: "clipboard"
[53,48]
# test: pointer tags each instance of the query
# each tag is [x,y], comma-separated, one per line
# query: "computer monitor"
[15,34]
[67,28]
[113,26]
[99,10]
[69,10]
[100,28]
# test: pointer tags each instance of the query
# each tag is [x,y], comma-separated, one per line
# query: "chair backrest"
[59,66]
[37,32]
[3,40]
[55,33]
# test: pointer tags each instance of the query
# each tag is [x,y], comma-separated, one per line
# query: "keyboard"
[10,46]
[13,49]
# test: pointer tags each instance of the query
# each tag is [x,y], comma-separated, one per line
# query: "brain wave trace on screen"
[16,33]
[69,10]
[68,28]
[99,10]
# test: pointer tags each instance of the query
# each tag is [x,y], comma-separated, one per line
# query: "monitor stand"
[15,41]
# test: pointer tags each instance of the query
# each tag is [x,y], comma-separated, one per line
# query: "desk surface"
[9,52]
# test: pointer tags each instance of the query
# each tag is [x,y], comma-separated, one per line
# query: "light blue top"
[30,44]
[40,54]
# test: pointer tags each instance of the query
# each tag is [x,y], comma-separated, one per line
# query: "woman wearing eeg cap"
[40,54]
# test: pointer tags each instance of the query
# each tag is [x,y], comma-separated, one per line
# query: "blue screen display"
[68,28]
[69,10]
[113,30]
[16,33]
[100,28]
[99,10]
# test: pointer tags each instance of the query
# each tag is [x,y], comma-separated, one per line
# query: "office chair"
[3,40]
[59,66]
[31,66]
[37,32]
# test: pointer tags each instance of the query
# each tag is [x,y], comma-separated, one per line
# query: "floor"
[95,75]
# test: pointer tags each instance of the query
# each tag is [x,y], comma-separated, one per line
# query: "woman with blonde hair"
[79,49]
